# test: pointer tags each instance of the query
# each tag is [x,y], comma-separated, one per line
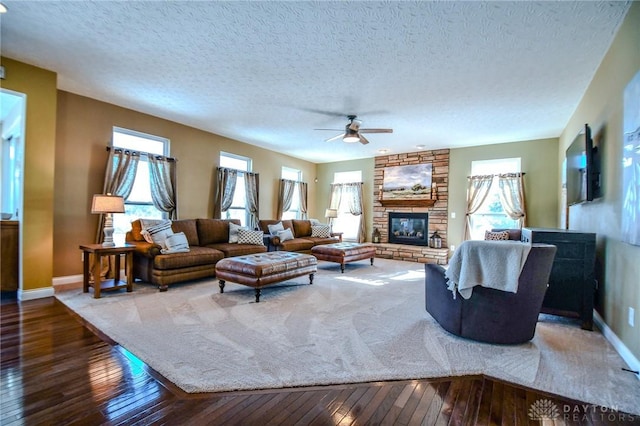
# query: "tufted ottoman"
[259,270]
[343,253]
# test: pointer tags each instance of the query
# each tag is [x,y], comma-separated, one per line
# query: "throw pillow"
[496,236]
[233,232]
[146,223]
[246,236]
[321,231]
[285,235]
[315,222]
[275,228]
[156,234]
[176,243]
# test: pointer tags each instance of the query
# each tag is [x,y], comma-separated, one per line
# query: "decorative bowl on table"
[6,216]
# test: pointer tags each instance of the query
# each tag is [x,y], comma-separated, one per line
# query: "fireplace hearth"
[409,228]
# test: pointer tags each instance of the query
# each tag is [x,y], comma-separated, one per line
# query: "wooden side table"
[337,234]
[99,284]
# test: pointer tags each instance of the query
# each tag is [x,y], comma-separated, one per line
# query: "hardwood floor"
[55,370]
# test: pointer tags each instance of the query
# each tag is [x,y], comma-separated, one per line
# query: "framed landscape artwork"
[407,183]
[631,163]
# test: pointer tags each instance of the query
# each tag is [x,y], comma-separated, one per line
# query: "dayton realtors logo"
[544,409]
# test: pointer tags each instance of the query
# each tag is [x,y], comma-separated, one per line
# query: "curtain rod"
[148,154]
[500,174]
[236,170]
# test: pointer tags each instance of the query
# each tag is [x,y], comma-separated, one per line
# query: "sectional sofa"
[303,236]
[208,241]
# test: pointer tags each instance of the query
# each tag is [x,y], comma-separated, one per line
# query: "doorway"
[12,132]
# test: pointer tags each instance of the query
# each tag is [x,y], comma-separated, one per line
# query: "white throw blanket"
[493,264]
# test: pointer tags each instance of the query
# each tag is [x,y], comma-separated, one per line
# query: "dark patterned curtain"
[226,187]
[285,196]
[302,188]
[252,185]
[162,177]
[120,174]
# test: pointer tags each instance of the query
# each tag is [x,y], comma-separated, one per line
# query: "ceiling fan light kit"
[352,132]
[351,136]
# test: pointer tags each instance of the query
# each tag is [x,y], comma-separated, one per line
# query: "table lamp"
[107,204]
[330,214]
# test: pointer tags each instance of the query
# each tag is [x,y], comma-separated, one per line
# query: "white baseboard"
[73,279]
[618,345]
[38,293]
[69,279]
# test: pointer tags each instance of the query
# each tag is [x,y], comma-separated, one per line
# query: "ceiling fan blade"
[363,140]
[333,130]
[335,137]
[324,112]
[376,130]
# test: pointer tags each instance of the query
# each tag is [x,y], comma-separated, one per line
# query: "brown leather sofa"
[302,241]
[208,243]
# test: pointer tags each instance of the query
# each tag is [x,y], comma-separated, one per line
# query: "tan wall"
[538,161]
[40,140]
[325,179]
[84,130]
[618,266]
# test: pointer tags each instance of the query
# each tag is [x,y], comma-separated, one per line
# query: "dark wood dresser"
[572,282]
[9,260]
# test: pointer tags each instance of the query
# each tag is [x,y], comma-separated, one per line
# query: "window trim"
[249,160]
[485,165]
[143,157]
[165,141]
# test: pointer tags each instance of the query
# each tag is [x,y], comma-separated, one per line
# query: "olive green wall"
[84,130]
[325,179]
[618,263]
[39,164]
[538,161]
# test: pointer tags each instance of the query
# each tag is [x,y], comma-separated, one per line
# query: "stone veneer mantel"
[409,253]
[437,208]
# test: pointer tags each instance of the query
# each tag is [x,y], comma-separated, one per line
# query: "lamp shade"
[107,203]
[331,213]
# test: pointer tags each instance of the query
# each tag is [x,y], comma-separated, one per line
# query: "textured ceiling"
[441,74]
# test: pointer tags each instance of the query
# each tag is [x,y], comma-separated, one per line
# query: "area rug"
[368,324]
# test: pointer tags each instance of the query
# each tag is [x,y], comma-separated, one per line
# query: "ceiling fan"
[353,132]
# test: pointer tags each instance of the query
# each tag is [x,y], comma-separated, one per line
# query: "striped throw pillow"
[156,234]
[176,243]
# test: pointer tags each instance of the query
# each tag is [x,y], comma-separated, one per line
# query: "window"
[294,211]
[346,223]
[238,209]
[491,214]
[139,204]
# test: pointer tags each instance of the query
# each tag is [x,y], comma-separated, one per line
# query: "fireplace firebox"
[409,228]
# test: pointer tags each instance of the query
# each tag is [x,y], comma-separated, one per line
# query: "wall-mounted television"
[582,169]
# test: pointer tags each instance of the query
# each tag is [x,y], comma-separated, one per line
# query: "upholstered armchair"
[491,315]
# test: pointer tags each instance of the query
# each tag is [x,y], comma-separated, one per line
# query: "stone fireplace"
[406,247]
[409,228]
